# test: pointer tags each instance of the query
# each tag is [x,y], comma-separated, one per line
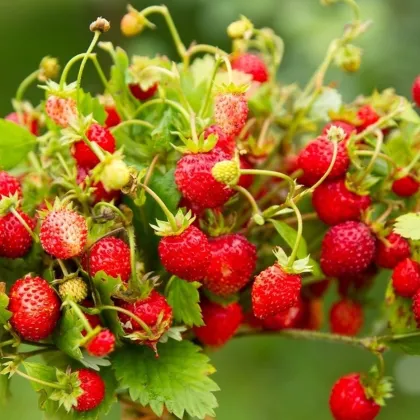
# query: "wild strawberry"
[27,121]
[221,323]
[63,233]
[367,116]
[231,112]
[232,262]
[194,179]
[389,254]
[251,64]
[347,248]
[140,94]
[346,317]
[61,110]
[405,186]
[115,174]
[274,291]
[416,307]
[224,142]
[353,284]
[110,255]
[9,185]
[348,128]
[406,278]
[317,289]
[15,240]
[73,289]
[102,344]
[335,204]
[186,255]
[96,134]
[349,400]
[290,318]
[112,116]
[315,158]
[415,90]
[35,308]
[93,388]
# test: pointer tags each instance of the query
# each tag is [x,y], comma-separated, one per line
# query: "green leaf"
[4,389]
[408,226]
[161,136]
[289,235]
[183,297]
[178,379]
[15,144]
[164,186]
[399,149]
[329,100]
[4,313]
[89,105]
[409,115]
[407,343]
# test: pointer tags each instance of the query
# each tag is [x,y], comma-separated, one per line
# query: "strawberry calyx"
[8,203]
[232,88]
[298,266]
[376,386]
[139,289]
[183,221]
[64,91]
[217,224]
[202,144]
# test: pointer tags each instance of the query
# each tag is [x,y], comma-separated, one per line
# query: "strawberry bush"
[195,202]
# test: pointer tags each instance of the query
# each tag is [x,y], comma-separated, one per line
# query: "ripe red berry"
[274,291]
[15,240]
[395,250]
[224,142]
[315,158]
[232,263]
[290,318]
[63,233]
[110,255]
[221,323]
[367,116]
[406,278]
[96,134]
[335,204]
[231,112]
[251,64]
[415,90]
[416,307]
[348,400]
[102,344]
[27,121]
[112,116]
[346,317]
[9,185]
[140,94]
[347,248]
[348,128]
[194,179]
[61,110]
[405,186]
[35,308]
[93,388]
[186,255]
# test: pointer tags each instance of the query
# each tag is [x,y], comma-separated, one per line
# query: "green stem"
[381,363]
[369,167]
[132,243]
[127,123]
[69,65]
[129,314]
[255,209]
[205,104]
[271,174]
[25,84]
[113,208]
[64,165]
[150,170]
[99,70]
[7,343]
[228,68]
[35,162]
[411,165]
[39,381]
[355,7]
[24,224]
[380,155]
[204,48]
[63,267]
[161,101]
[80,315]
[299,233]
[264,130]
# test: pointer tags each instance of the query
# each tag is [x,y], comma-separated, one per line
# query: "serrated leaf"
[4,313]
[399,149]
[184,299]
[178,379]
[89,105]
[409,115]
[161,134]
[408,226]
[289,235]
[407,343]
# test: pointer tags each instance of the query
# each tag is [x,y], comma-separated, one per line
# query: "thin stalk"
[68,67]
[411,165]
[205,48]
[355,7]
[62,267]
[209,92]
[264,130]
[39,381]
[99,70]
[161,101]
[369,167]
[129,314]
[299,233]
[80,315]
[7,343]
[380,155]
[127,123]
[24,224]
[25,84]
[113,208]
[34,162]
[132,244]
[150,170]
[228,68]
[64,165]
[271,174]
[250,198]
[381,363]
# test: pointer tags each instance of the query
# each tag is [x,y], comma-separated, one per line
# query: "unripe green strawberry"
[115,175]
[73,289]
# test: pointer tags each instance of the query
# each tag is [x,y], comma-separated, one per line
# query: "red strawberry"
[353,284]
[102,344]
[224,142]
[35,308]
[232,263]
[96,134]
[112,116]
[15,240]
[416,307]
[61,110]
[290,318]
[221,323]
[251,64]
[406,278]
[9,185]
[140,94]
[367,116]
[315,158]
[415,90]
[317,289]
[274,291]
[347,248]
[110,255]
[390,254]
[93,388]
[346,317]
[231,112]
[186,255]
[194,179]
[335,204]
[63,233]
[349,401]
[27,121]
[348,128]
[405,186]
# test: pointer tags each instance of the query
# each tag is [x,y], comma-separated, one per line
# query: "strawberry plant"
[195,202]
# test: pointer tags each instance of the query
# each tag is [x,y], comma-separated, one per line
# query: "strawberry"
[415,90]
[186,255]
[224,142]
[102,344]
[231,112]
[416,307]
[389,254]
[335,204]
[27,121]
[405,186]
[93,388]
[9,185]
[233,260]
[63,233]
[35,308]
[195,181]
[61,110]
[110,255]
[96,134]
[316,156]
[346,317]
[347,248]
[274,291]
[353,284]
[367,116]
[112,116]
[349,400]
[290,318]
[347,127]
[140,94]
[406,278]
[251,64]
[15,240]
[221,323]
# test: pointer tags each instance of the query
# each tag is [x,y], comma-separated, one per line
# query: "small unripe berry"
[73,289]
[115,175]
[349,58]
[239,28]
[49,68]
[132,24]
[227,172]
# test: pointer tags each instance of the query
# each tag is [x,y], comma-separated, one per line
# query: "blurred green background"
[260,378]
